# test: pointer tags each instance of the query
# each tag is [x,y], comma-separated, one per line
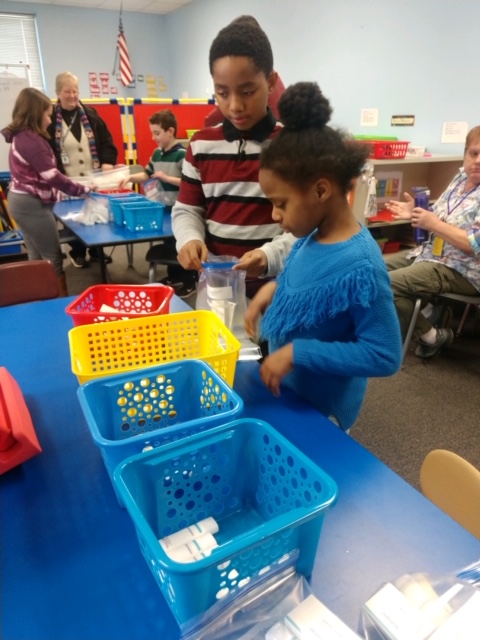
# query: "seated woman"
[449,262]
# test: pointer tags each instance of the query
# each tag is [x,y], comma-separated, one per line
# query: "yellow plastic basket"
[105,349]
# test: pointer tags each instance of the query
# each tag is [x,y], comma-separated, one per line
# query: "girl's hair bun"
[303,106]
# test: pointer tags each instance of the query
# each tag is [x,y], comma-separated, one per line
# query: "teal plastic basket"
[144,215]
[268,499]
[145,409]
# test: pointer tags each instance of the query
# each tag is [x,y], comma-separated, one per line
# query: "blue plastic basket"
[143,216]
[116,208]
[267,497]
[129,412]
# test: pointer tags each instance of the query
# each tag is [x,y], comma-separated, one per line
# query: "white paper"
[369,118]
[454,132]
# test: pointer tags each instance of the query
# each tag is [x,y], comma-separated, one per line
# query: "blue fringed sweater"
[334,302]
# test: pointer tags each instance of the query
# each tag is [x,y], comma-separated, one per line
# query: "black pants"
[79,250]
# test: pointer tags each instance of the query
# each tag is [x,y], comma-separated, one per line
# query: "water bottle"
[422,200]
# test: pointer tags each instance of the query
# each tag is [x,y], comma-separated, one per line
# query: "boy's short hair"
[243,38]
[165,119]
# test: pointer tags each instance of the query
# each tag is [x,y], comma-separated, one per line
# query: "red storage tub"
[105,302]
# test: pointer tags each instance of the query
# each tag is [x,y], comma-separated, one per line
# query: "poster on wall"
[389,185]
[162,87]
[105,82]
[94,86]
[151,83]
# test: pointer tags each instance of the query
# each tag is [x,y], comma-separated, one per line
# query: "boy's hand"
[276,366]
[254,262]
[160,175]
[123,183]
[192,254]
[257,306]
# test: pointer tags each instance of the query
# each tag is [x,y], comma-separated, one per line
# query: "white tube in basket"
[209,525]
[194,549]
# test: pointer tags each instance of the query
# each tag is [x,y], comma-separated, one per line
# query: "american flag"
[126,74]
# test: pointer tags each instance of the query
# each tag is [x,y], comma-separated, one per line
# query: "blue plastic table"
[71,567]
[106,235]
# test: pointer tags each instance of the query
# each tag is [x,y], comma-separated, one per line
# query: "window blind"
[19,45]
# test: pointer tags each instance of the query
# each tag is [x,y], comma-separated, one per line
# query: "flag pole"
[116,48]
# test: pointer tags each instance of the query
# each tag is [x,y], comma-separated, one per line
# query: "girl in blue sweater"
[329,318]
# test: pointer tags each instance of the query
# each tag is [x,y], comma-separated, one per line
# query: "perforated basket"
[127,413]
[143,216]
[125,301]
[268,499]
[108,348]
[388,149]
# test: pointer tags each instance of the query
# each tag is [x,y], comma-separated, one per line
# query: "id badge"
[437,247]
[65,159]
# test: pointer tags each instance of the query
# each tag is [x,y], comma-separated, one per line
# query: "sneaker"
[94,258]
[182,289]
[185,291]
[444,339]
[79,262]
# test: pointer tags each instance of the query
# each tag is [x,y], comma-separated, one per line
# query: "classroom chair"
[27,281]
[469,301]
[453,484]
[164,254]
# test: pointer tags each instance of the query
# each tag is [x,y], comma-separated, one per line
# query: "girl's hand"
[276,366]
[257,306]
[402,210]
[254,262]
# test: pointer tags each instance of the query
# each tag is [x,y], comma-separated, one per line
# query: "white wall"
[415,57]
[84,40]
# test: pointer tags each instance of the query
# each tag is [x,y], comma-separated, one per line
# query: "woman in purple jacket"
[36,179]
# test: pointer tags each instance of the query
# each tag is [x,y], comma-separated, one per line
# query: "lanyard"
[69,128]
[459,202]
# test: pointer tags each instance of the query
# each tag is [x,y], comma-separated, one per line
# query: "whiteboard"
[10,86]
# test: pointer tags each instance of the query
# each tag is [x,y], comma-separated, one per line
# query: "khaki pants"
[413,279]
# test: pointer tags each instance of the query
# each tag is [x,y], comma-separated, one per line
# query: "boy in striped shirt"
[221,208]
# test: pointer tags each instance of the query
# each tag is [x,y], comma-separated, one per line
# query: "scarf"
[86,126]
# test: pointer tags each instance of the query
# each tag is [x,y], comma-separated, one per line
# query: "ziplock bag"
[222,290]
[153,190]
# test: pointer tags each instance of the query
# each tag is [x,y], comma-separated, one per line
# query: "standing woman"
[81,142]
[36,179]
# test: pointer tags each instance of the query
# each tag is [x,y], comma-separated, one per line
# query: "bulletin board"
[189,116]
[113,113]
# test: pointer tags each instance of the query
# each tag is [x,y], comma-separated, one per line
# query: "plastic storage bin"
[143,216]
[108,348]
[115,199]
[152,407]
[268,499]
[388,149]
[11,242]
[110,179]
[126,301]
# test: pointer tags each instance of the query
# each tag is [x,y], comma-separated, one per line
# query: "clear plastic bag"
[420,607]
[221,289]
[252,613]
[154,191]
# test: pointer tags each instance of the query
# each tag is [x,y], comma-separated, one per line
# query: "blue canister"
[422,200]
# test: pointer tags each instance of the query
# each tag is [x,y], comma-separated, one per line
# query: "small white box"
[416,152]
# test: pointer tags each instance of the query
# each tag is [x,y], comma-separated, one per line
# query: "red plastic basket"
[124,302]
[388,149]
